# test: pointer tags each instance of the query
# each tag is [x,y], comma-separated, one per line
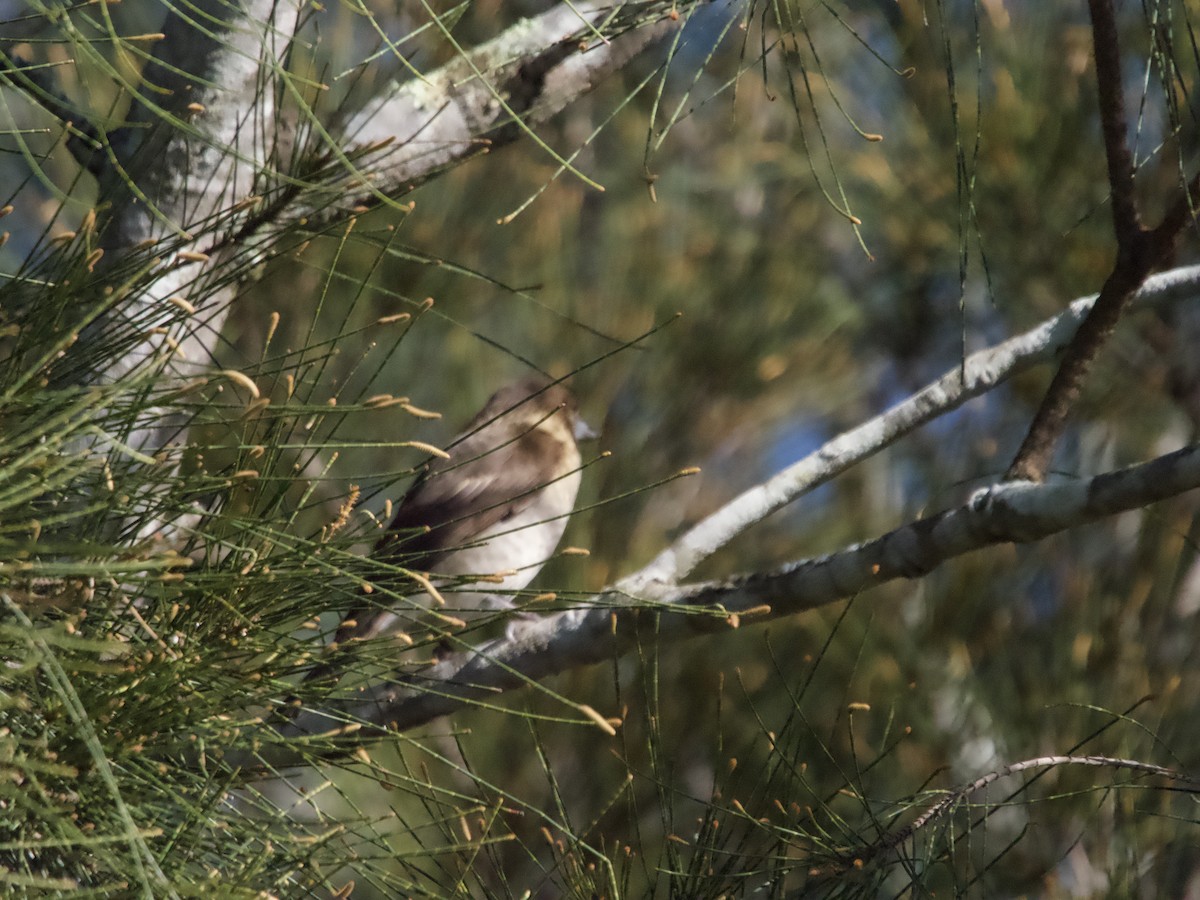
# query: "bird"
[496,507]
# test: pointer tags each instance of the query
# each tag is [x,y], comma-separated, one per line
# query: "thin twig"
[956,796]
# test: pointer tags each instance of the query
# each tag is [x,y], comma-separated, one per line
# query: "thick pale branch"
[978,374]
[1011,512]
[180,177]
[197,161]
[206,122]
[530,72]
[198,175]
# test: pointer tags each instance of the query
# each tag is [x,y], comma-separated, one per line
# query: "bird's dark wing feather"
[453,503]
[457,500]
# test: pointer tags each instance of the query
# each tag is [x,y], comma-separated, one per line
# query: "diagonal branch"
[1139,252]
[1010,512]
[1013,512]
[977,375]
[493,95]
[200,164]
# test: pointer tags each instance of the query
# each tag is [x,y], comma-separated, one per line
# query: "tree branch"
[1127,222]
[978,374]
[189,175]
[200,182]
[958,795]
[215,132]
[1010,512]
[492,95]
[1139,252]
[1013,512]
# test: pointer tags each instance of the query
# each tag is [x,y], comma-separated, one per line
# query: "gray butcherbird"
[497,507]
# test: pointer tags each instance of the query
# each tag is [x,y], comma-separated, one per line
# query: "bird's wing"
[454,502]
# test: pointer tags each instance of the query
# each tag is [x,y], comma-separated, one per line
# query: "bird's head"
[536,404]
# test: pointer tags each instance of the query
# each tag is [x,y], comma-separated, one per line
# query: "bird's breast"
[518,545]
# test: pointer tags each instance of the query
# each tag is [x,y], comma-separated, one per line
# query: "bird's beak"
[583,431]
